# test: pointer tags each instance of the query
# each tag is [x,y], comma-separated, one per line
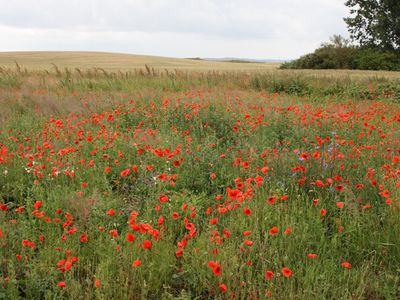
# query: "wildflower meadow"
[207,186]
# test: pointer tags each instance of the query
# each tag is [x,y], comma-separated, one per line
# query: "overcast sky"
[178,28]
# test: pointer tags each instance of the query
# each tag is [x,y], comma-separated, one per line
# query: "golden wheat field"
[114,62]
[118,61]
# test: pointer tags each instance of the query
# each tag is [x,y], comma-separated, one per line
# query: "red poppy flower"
[175,215]
[83,238]
[269,275]
[68,265]
[233,194]
[137,263]
[147,244]
[273,231]
[111,212]
[339,187]
[125,172]
[385,194]
[223,288]
[258,180]
[215,267]
[286,272]
[130,237]
[113,233]
[161,220]
[178,253]
[72,230]
[226,233]
[316,154]
[163,198]
[346,265]
[29,244]
[213,221]
[271,200]
[247,211]
[248,242]
[20,209]
[265,170]
[97,283]
[37,204]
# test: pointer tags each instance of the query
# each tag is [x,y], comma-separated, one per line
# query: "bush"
[339,56]
[326,57]
[376,59]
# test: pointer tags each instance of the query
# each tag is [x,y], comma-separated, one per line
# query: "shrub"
[376,59]
[340,55]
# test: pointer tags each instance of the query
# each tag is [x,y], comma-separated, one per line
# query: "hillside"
[115,61]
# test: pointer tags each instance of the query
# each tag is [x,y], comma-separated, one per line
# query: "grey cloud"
[236,18]
[164,27]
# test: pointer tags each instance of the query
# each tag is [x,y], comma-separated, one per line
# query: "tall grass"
[289,82]
[170,185]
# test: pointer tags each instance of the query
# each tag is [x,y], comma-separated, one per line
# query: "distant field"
[116,61]
[126,62]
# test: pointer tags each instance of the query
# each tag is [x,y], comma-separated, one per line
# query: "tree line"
[374,44]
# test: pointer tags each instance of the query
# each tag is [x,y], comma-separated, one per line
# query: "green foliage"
[375,23]
[296,85]
[338,56]
[375,59]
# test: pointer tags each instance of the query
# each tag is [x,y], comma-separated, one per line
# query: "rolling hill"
[39,60]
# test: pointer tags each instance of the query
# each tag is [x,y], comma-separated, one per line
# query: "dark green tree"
[375,23]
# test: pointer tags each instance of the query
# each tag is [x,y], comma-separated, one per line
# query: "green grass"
[236,155]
